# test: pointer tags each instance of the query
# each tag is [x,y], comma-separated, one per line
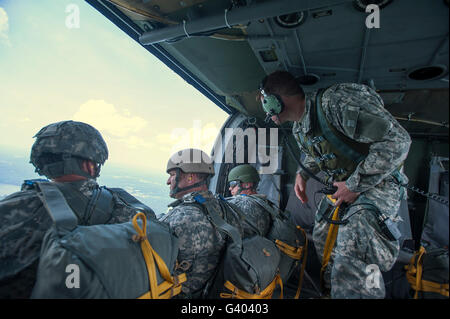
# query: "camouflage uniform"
[255,215]
[59,150]
[23,224]
[357,112]
[200,243]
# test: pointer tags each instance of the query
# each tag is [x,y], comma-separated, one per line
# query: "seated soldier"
[200,243]
[70,154]
[243,181]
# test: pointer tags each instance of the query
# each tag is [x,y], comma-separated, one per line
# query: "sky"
[55,67]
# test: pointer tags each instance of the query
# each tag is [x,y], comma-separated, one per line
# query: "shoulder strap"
[93,210]
[62,215]
[218,221]
[77,201]
[100,207]
[132,201]
[242,216]
[272,210]
[339,140]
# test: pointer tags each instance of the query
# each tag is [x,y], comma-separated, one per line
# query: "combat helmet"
[189,160]
[60,146]
[245,173]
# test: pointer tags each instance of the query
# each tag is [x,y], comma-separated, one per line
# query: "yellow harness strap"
[172,285]
[267,293]
[302,269]
[330,241]
[414,276]
[293,252]
[296,253]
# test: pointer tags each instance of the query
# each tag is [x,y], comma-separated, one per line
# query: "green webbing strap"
[102,207]
[62,215]
[218,221]
[331,134]
[90,211]
[75,199]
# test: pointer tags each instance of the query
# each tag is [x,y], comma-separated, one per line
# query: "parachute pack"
[248,268]
[291,240]
[128,260]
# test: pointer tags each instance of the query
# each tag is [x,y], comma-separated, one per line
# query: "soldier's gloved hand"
[300,188]
[343,194]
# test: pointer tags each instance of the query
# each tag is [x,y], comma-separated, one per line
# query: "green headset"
[272,103]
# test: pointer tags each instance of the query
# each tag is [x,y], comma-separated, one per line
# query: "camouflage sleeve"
[310,164]
[308,161]
[199,245]
[358,112]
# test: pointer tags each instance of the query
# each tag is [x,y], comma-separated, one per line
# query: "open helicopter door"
[243,140]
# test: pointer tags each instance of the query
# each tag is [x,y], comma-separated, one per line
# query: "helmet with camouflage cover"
[60,147]
[245,173]
[192,161]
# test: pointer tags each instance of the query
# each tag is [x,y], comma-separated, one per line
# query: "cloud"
[4,27]
[136,142]
[107,119]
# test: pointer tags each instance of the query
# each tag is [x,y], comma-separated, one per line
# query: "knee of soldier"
[364,240]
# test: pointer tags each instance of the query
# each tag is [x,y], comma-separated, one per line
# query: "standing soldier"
[346,132]
[200,243]
[70,154]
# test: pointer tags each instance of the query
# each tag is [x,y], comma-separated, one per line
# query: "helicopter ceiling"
[227,47]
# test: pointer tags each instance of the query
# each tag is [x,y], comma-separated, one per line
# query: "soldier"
[243,181]
[70,154]
[346,132]
[200,244]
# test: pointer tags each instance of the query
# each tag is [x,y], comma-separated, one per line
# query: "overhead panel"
[230,45]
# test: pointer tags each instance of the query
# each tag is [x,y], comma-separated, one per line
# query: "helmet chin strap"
[178,189]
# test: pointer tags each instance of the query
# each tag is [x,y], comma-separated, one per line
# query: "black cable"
[345,221]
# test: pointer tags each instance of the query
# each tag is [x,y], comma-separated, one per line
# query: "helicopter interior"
[224,48]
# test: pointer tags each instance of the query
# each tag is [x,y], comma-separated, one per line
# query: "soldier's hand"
[343,194]
[300,188]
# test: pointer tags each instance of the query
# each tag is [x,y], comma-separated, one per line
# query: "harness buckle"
[315,140]
[189,199]
[326,157]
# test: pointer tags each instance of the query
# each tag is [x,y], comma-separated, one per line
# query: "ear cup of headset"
[272,104]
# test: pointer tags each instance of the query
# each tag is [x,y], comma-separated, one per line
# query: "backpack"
[428,272]
[291,240]
[248,268]
[128,260]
